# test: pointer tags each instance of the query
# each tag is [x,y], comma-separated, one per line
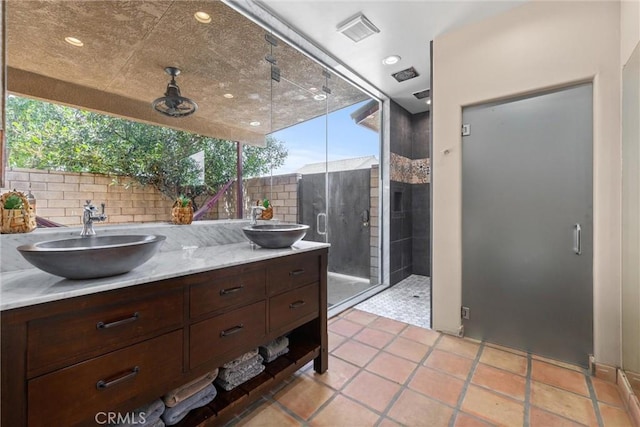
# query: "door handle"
[577,239]
[324,215]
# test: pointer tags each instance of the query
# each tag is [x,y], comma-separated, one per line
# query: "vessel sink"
[274,236]
[92,257]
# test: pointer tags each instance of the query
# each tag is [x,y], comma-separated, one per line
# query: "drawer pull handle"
[297,304]
[232,331]
[231,290]
[296,272]
[103,384]
[133,318]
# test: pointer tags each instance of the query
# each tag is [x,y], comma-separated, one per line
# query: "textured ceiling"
[127,45]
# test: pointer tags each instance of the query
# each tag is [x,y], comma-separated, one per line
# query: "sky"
[306,141]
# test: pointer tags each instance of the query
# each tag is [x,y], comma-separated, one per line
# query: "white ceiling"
[406,29]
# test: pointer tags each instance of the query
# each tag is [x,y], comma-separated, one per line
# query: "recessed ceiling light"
[254,124]
[228,95]
[428,102]
[74,41]
[391,59]
[203,17]
[313,89]
[320,97]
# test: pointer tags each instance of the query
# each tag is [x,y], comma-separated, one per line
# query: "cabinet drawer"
[75,394]
[240,328]
[225,292]
[55,339]
[286,310]
[293,271]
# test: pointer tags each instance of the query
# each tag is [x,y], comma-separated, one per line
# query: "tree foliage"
[41,135]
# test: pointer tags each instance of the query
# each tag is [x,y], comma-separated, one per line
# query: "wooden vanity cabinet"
[65,361]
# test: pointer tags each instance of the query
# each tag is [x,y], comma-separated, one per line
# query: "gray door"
[527,223]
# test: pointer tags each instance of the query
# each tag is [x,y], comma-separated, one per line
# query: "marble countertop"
[31,286]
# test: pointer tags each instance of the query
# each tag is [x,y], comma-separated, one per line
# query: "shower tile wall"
[409,231]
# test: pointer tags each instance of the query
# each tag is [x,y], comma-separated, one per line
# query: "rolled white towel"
[276,355]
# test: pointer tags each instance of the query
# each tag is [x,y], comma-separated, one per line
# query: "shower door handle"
[323,215]
[577,239]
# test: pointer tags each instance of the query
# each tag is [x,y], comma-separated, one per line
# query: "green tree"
[41,135]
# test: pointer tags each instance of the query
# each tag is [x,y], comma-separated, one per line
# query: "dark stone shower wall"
[410,221]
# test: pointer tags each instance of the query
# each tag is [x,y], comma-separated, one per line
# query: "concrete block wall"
[61,195]
[374,226]
[281,190]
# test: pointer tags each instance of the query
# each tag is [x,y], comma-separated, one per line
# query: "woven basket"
[17,220]
[267,213]
[182,215]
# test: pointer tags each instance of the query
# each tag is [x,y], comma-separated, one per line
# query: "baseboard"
[628,396]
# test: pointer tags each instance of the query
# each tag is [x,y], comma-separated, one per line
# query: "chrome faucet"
[254,214]
[89,214]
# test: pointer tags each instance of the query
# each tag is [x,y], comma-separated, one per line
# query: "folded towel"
[276,355]
[229,374]
[151,413]
[173,415]
[158,423]
[276,346]
[179,394]
[248,355]
[241,379]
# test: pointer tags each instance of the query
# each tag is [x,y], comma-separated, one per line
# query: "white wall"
[630,42]
[539,45]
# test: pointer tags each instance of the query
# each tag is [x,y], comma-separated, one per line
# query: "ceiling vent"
[358,28]
[422,94]
[407,74]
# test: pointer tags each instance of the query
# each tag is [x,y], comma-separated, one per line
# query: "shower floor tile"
[408,301]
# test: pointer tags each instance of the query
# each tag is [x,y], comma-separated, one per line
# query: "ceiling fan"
[173,104]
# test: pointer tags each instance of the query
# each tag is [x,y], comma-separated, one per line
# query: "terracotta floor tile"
[371,390]
[453,364]
[361,317]
[392,367]
[464,420]
[374,337]
[355,352]
[304,396]
[458,346]
[344,412]
[335,340]
[493,407]
[540,418]
[345,327]
[421,335]
[437,385]
[504,360]
[500,381]
[414,409]
[388,325]
[268,415]
[386,422]
[559,377]
[607,392]
[408,349]
[507,349]
[337,375]
[565,365]
[565,403]
[614,417]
